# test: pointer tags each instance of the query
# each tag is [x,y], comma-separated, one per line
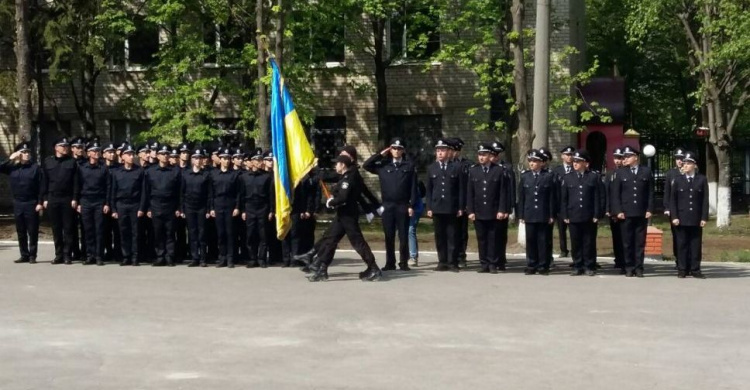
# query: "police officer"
[272,241]
[128,204]
[510,197]
[78,151]
[446,200]
[181,249]
[536,208]
[240,255]
[197,194]
[258,205]
[566,155]
[462,235]
[486,204]
[346,222]
[60,180]
[26,186]
[689,214]
[92,194]
[112,249]
[225,205]
[669,177]
[632,203]
[398,188]
[162,195]
[615,224]
[580,209]
[305,202]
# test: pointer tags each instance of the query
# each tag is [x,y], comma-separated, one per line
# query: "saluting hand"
[244,216]
[472,216]
[235,212]
[105,209]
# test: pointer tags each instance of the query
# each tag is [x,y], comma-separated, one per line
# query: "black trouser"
[675,249]
[79,238]
[349,226]
[27,228]
[583,245]
[502,242]
[92,217]
[562,228]
[396,218]
[112,246]
[146,243]
[550,251]
[305,234]
[127,220]
[240,249]
[225,234]
[256,238]
[290,244]
[634,242]
[212,251]
[690,239]
[446,238]
[538,238]
[63,219]
[487,242]
[163,220]
[616,227]
[195,220]
[180,243]
[272,242]
[462,237]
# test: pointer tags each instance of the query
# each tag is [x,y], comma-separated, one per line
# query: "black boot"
[320,275]
[306,257]
[373,274]
[193,263]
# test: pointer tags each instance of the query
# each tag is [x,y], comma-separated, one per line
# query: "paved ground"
[75,327]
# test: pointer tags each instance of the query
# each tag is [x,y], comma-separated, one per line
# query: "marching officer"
[566,155]
[398,188]
[92,194]
[346,222]
[669,177]
[197,193]
[615,224]
[536,208]
[446,200]
[26,185]
[162,195]
[689,214]
[510,197]
[258,205]
[60,180]
[128,204]
[632,203]
[225,205]
[486,204]
[580,209]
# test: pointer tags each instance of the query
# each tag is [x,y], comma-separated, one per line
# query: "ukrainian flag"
[292,154]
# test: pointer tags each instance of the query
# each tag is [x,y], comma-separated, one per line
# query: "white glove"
[328,203]
[380,210]
[370,217]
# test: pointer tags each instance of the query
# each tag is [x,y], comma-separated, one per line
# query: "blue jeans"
[413,246]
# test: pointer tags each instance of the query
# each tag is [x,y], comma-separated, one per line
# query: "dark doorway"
[596,145]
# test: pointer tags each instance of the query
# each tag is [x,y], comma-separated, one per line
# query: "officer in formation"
[258,205]
[566,155]
[537,203]
[689,214]
[510,196]
[197,193]
[128,204]
[669,177]
[60,178]
[614,223]
[163,186]
[92,195]
[225,206]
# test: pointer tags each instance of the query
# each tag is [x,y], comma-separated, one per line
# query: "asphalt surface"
[88,327]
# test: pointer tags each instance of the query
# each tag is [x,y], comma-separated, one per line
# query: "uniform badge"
[344,185]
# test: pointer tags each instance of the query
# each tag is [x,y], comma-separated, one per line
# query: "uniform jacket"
[581,197]
[486,192]
[446,189]
[398,182]
[633,195]
[689,201]
[60,178]
[537,197]
[128,188]
[25,181]
[197,191]
[257,194]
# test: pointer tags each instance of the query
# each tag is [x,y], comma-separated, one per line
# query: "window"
[419,132]
[328,36]
[413,33]
[225,42]
[140,49]
[328,136]
[126,130]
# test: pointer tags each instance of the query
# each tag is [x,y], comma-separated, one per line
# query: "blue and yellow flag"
[292,154]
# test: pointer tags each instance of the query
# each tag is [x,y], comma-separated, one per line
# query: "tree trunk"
[23,69]
[724,193]
[524,131]
[541,73]
[381,84]
[712,175]
[264,138]
[280,26]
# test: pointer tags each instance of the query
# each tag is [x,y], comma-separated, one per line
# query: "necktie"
[635,170]
[690,180]
[442,166]
[567,169]
[580,176]
[486,169]
[536,175]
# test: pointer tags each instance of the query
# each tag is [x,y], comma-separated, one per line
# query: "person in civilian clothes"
[615,224]
[258,205]
[59,181]
[446,199]
[566,155]
[669,177]
[163,194]
[93,203]
[510,198]
[486,205]
[536,208]
[26,186]
[689,214]
[197,194]
[128,204]
[398,187]
[632,203]
[225,205]
[419,207]
[580,209]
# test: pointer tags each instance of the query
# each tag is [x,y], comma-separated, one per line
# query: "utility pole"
[541,74]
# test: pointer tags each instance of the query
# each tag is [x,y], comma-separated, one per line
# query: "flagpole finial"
[264,46]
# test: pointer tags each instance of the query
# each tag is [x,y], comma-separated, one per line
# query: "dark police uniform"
[668,179]
[79,233]
[112,248]
[485,198]
[145,225]
[240,233]
[560,171]
[128,199]
[162,197]
[226,199]
[197,193]
[92,195]
[633,195]
[615,224]
[398,188]
[257,202]
[445,197]
[305,202]
[689,205]
[60,181]
[580,205]
[463,221]
[510,196]
[536,206]
[26,186]
[273,243]
[556,209]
